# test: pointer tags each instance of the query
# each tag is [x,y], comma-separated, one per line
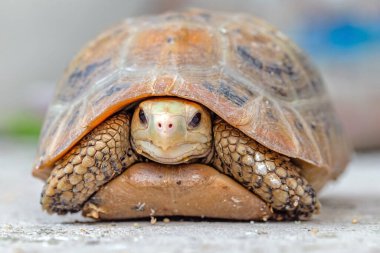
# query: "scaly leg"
[266,173]
[96,159]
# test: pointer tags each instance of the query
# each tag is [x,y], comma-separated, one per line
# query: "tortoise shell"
[238,66]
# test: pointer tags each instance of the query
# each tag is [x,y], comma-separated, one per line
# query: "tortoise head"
[171,130]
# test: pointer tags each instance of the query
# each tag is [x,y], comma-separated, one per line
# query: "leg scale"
[96,159]
[266,173]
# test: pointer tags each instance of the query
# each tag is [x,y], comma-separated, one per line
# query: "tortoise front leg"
[96,159]
[266,173]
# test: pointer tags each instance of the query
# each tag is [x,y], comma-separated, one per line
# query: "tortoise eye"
[195,120]
[142,117]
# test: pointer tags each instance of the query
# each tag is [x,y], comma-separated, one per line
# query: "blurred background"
[39,38]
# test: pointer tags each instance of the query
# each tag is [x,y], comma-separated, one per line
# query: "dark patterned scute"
[238,66]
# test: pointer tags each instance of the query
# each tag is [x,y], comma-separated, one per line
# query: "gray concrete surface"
[349,222]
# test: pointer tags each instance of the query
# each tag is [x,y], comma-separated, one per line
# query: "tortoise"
[192,113]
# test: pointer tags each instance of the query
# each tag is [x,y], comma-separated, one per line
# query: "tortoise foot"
[95,160]
[266,173]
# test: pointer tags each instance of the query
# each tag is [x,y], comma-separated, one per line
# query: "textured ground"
[349,222]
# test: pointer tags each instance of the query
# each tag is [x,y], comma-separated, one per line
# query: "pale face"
[171,130]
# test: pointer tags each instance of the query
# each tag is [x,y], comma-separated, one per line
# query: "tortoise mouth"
[193,190]
[183,153]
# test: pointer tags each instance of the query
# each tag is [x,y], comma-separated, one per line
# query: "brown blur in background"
[39,38]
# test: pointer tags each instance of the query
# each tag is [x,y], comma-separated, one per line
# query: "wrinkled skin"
[175,131]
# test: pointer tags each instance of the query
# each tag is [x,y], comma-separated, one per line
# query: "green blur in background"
[22,125]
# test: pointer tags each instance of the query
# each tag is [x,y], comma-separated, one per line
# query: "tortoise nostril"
[164,125]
